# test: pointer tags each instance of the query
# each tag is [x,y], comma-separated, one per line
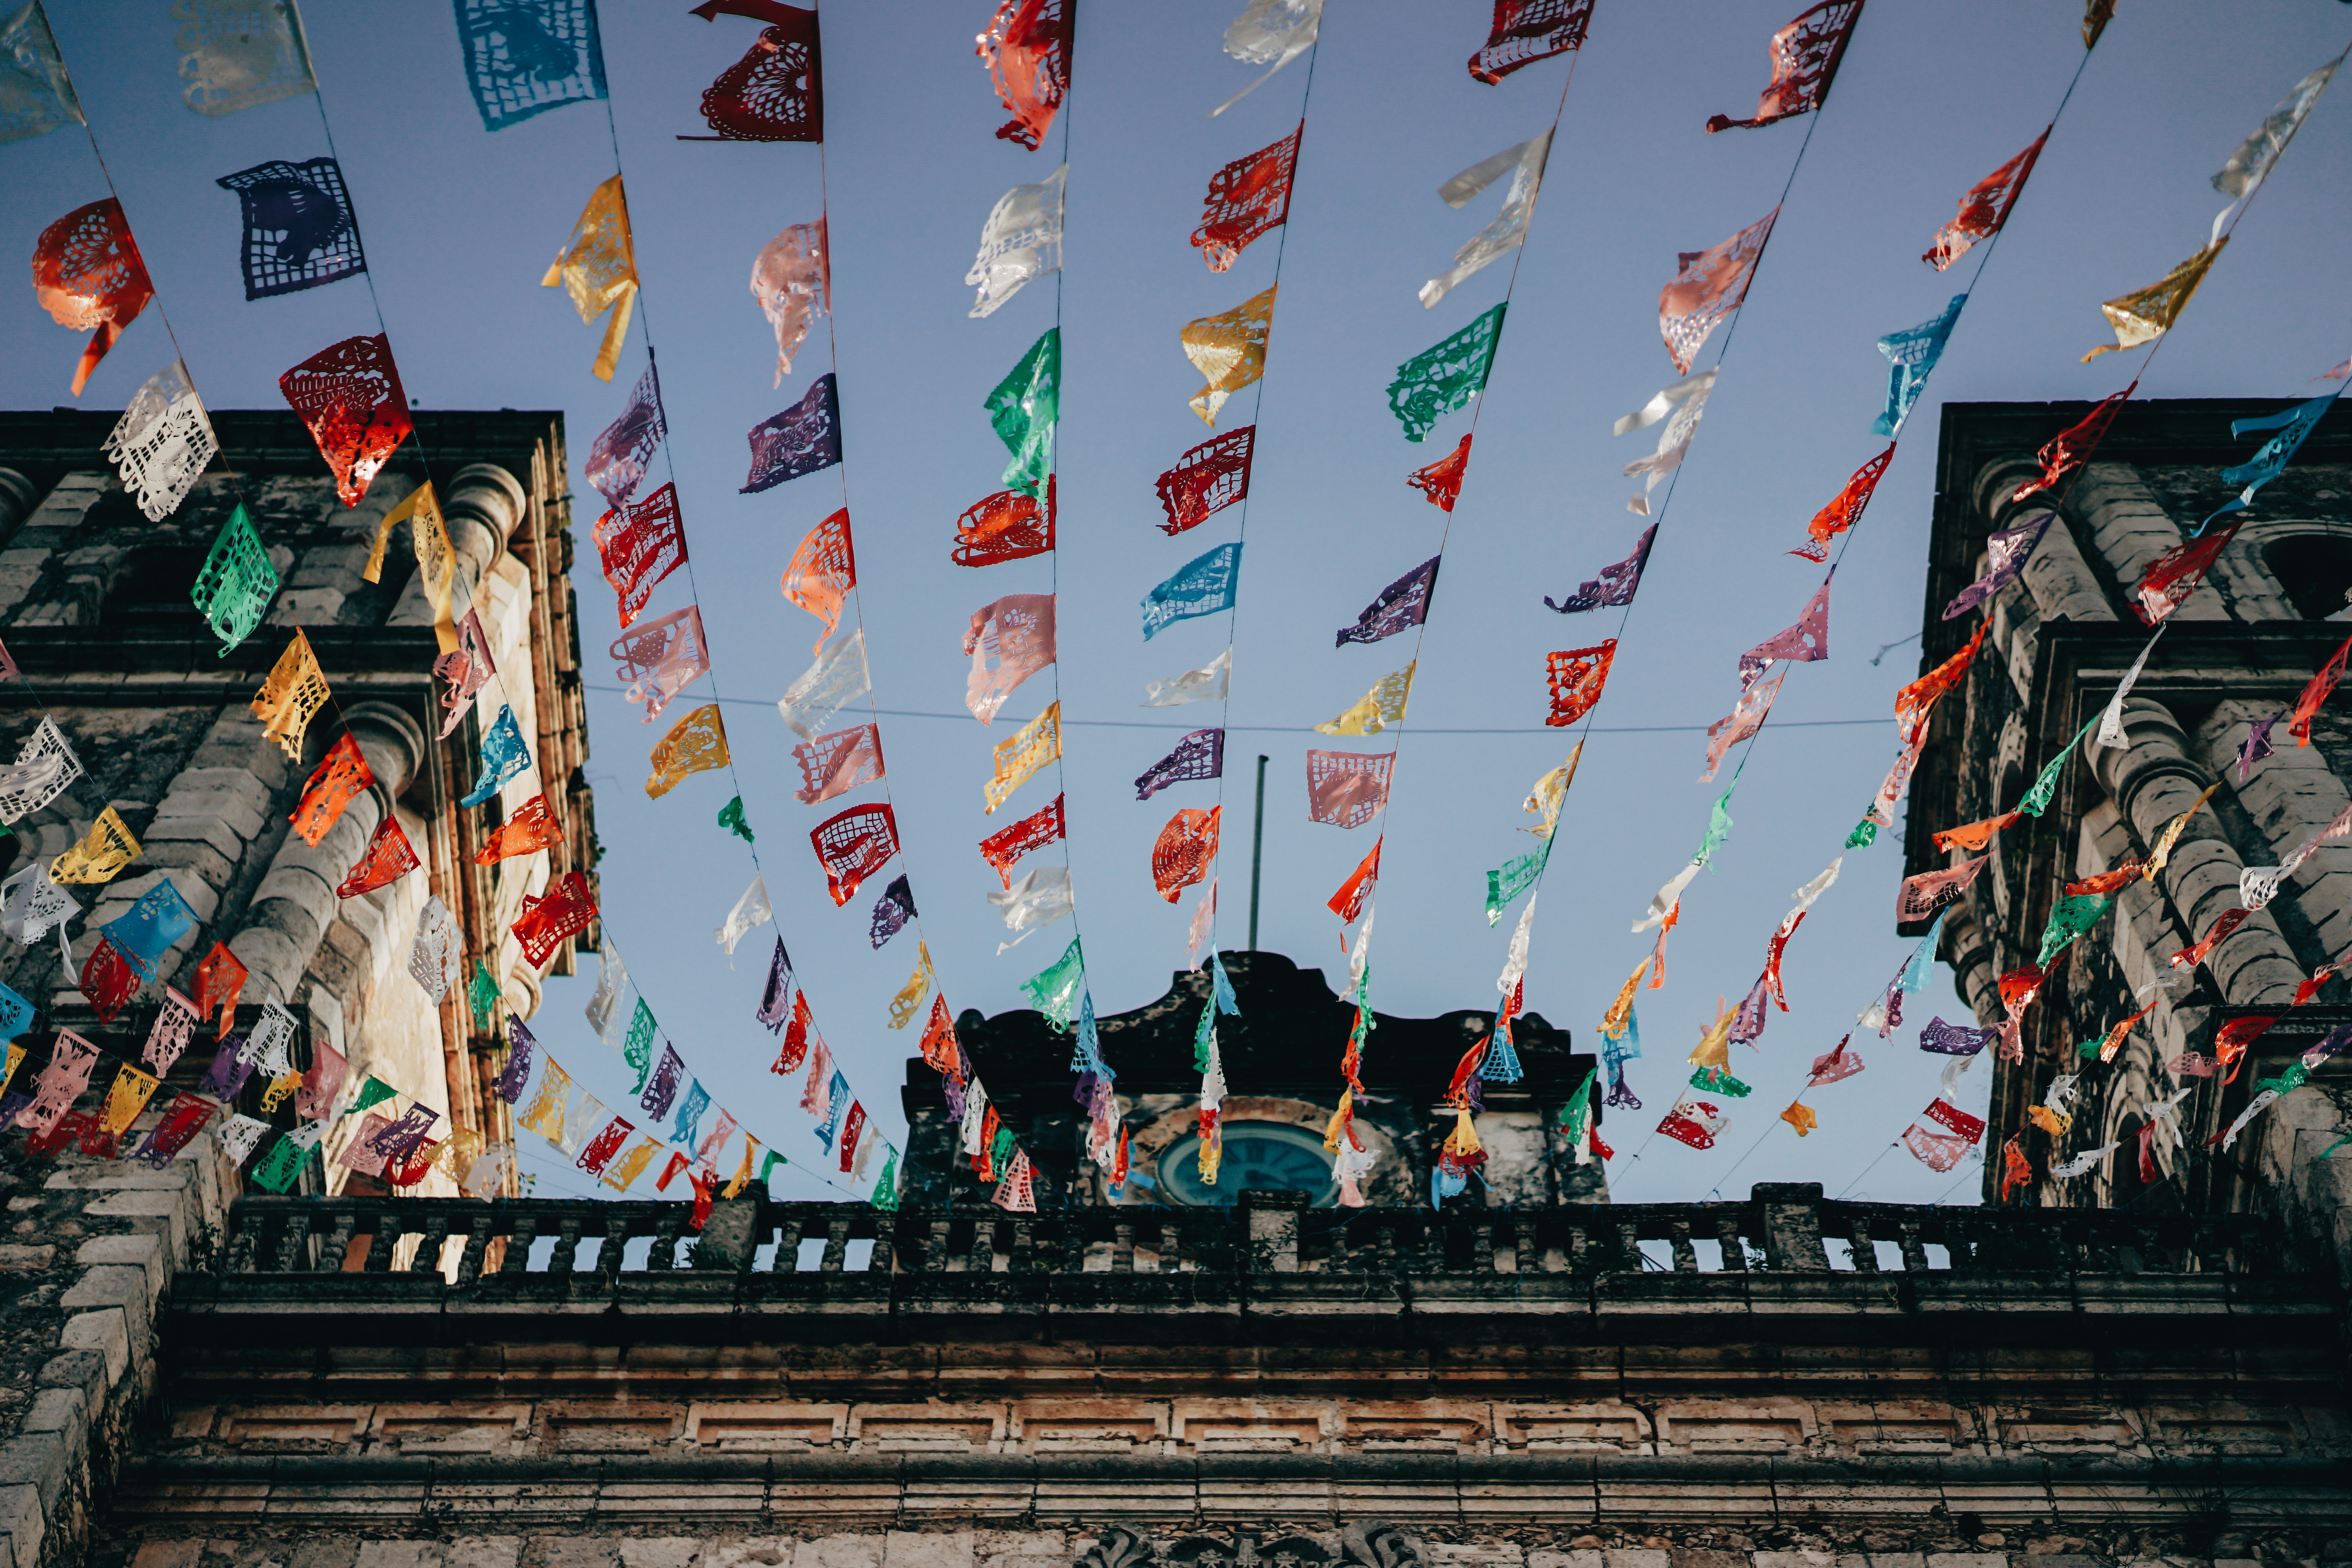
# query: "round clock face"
[1267,1156]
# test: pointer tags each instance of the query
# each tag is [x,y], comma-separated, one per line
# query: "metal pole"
[1257,850]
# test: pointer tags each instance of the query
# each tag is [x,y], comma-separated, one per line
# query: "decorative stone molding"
[1374,1543]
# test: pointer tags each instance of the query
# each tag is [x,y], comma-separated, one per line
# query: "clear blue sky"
[461,224]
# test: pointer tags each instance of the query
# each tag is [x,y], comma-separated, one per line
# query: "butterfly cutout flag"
[891,912]
[1615,586]
[751,911]
[1247,197]
[1206,585]
[2147,314]
[1024,408]
[1708,286]
[802,440]
[298,228]
[1007,642]
[852,846]
[1440,483]
[1805,641]
[1228,350]
[1021,240]
[776,91]
[694,743]
[1026,47]
[1985,208]
[1401,604]
[835,764]
[598,267]
[1020,755]
[1005,526]
[1182,855]
[1525,164]
[164,439]
[1207,480]
[1347,789]
[618,457]
[1005,848]
[349,398]
[1911,357]
[526,57]
[1681,405]
[1270,33]
[1805,56]
[88,275]
[1526,31]
[1576,676]
[1378,708]
[1200,755]
[39,96]
[638,544]
[791,279]
[563,911]
[1440,380]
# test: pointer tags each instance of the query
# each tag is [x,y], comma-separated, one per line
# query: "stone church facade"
[2239,650]
[95,609]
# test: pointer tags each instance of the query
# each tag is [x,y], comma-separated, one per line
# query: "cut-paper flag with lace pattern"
[385,861]
[1019,756]
[1401,604]
[1615,586]
[1005,849]
[436,957]
[1007,642]
[1911,356]
[465,668]
[1681,405]
[109,981]
[823,571]
[1033,903]
[598,268]
[1182,855]
[1207,480]
[101,856]
[1846,508]
[1440,483]
[776,91]
[1207,684]
[2147,314]
[1446,377]
[2306,707]
[1923,896]
[638,543]
[2294,425]
[907,1004]
[1348,789]
[1054,990]
[891,912]
[660,658]
[835,764]
[1206,585]
[1026,49]
[175,1023]
[837,677]
[291,696]
[695,743]
[36,95]
[563,911]
[2251,162]
[1576,676]
[349,398]
[1747,717]
[88,275]
[1376,709]
[298,228]
[2176,574]
[1198,756]
[1247,197]
[436,562]
[526,57]
[804,439]
[532,828]
[618,457]
[1708,286]
[792,278]
[238,54]
[1228,350]
[1985,208]
[2006,553]
[1805,56]
[852,846]
[1695,1123]
[1023,409]
[1525,164]
[1004,526]
[220,981]
[1804,642]
[2071,447]
[1526,31]
[505,756]
[1021,240]
[163,441]
[1270,33]
[750,912]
